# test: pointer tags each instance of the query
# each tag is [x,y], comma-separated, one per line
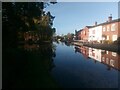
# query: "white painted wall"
[91,35]
[97,35]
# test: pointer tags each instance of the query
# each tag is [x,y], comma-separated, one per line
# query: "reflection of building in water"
[111,59]
[85,51]
[95,54]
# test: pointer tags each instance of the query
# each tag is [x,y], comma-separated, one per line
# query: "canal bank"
[110,47]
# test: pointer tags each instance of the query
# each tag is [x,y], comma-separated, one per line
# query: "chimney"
[95,23]
[110,18]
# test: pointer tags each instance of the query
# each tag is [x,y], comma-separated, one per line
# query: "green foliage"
[117,42]
[107,41]
[26,16]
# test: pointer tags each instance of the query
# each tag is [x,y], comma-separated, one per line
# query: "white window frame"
[107,52]
[108,28]
[112,62]
[113,27]
[107,60]
[104,29]
[114,37]
[107,37]
[103,58]
[114,54]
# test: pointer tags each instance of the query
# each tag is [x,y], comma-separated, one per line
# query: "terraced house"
[111,29]
[95,33]
[108,31]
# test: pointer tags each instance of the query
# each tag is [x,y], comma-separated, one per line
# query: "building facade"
[78,35]
[108,31]
[85,33]
[111,30]
[95,34]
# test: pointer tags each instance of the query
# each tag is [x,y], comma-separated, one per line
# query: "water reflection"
[29,47]
[82,67]
[111,59]
[29,66]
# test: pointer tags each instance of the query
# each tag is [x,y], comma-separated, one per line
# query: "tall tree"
[25,16]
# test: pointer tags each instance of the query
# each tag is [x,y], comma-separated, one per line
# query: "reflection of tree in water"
[29,69]
[67,43]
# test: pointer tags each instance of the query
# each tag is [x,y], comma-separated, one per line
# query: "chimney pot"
[95,23]
[110,18]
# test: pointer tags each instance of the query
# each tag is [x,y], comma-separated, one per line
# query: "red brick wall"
[111,33]
[119,29]
[85,34]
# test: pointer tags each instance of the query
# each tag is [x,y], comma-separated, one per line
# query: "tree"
[70,36]
[25,16]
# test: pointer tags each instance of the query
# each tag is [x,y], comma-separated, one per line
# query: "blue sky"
[71,16]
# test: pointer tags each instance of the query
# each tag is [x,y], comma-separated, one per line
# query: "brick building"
[111,59]
[111,29]
[78,34]
[85,33]
[108,31]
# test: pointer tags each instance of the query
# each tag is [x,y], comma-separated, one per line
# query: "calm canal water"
[59,65]
[83,67]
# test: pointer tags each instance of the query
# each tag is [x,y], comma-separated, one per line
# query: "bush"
[107,42]
[117,42]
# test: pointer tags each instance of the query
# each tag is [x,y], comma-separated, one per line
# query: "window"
[93,32]
[113,27]
[107,52]
[112,62]
[107,60]
[103,28]
[84,33]
[114,37]
[107,37]
[108,28]
[97,57]
[103,58]
[113,54]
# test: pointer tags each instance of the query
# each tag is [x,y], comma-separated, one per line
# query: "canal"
[59,65]
[83,67]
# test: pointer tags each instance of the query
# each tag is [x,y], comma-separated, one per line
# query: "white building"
[95,33]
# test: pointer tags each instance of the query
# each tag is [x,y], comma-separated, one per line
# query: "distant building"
[78,34]
[85,33]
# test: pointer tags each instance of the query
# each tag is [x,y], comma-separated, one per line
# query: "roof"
[89,26]
[116,20]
